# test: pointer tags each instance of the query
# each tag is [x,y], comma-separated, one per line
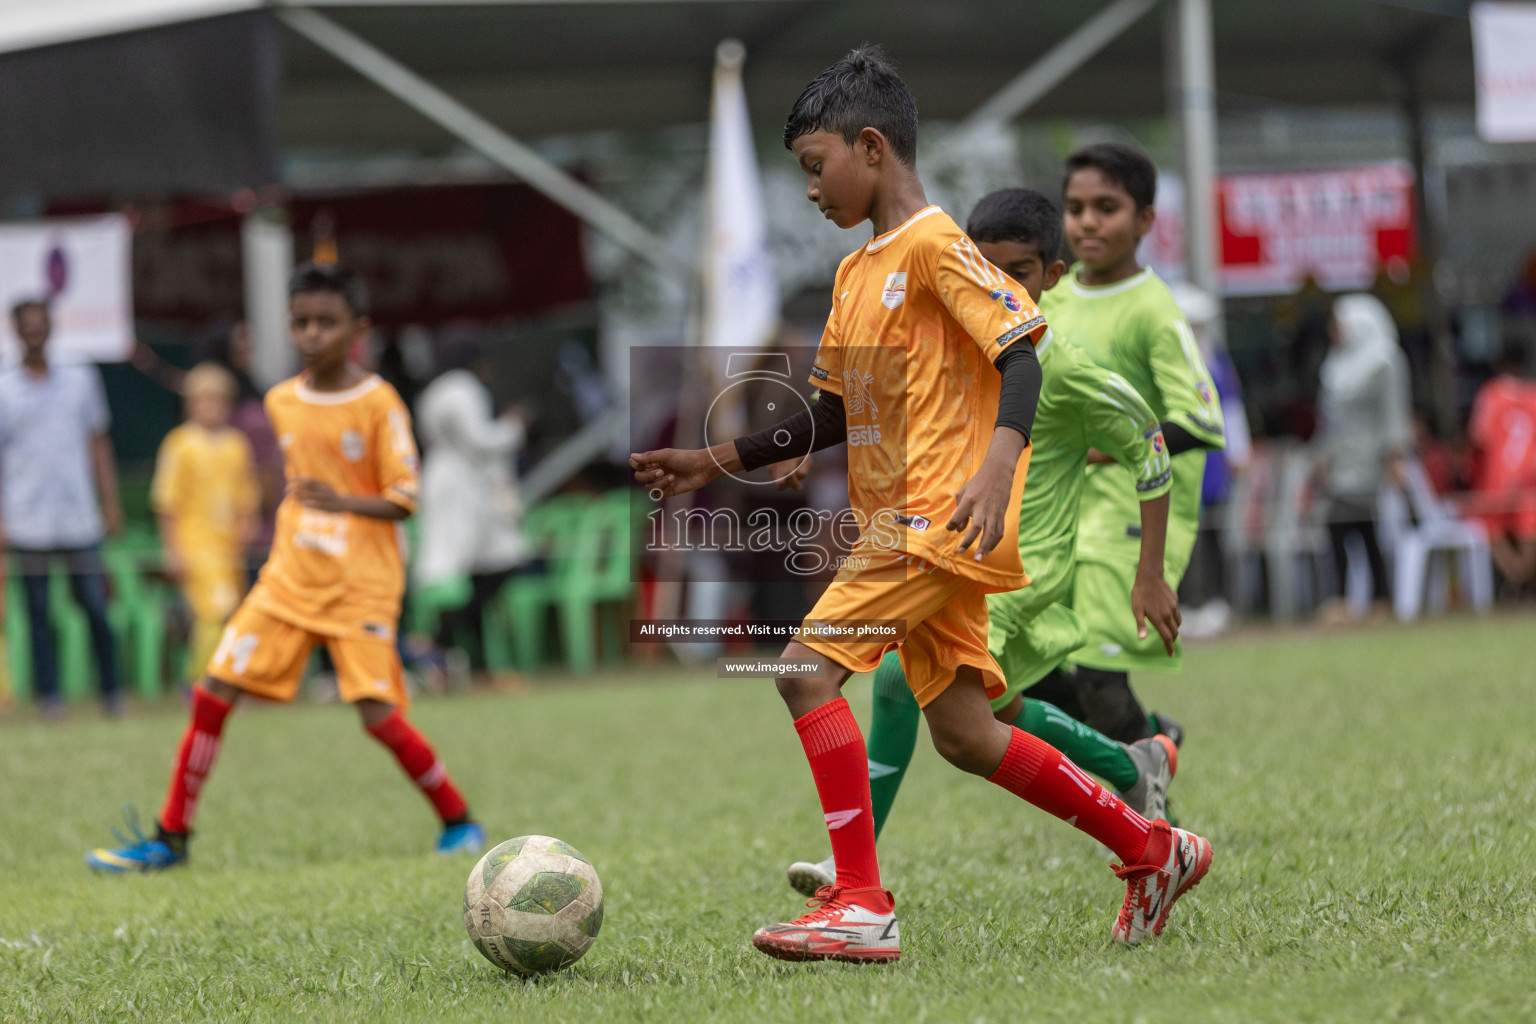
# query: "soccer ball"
[533,904]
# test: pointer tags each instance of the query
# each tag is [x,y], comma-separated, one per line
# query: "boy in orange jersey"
[206,497]
[335,574]
[927,370]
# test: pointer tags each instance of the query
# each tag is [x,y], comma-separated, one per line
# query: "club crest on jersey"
[895,292]
[1007,299]
[1204,391]
[352,445]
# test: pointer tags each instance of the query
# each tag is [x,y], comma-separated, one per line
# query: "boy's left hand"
[983,503]
[1153,600]
[316,494]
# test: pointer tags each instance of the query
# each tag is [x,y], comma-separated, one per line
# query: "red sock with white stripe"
[835,748]
[415,755]
[194,760]
[1038,772]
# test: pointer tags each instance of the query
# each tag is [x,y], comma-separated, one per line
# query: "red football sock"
[835,748]
[415,755]
[1038,772]
[194,760]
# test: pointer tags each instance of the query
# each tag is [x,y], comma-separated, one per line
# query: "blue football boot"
[464,837]
[139,853]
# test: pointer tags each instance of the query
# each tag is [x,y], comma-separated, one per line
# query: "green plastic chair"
[590,561]
[139,609]
[18,639]
[429,602]
[554,530]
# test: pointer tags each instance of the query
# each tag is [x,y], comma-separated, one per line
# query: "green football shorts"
[1028,650]
[1101,598]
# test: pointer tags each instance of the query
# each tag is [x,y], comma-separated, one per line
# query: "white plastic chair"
[1293,538]
[1436,530]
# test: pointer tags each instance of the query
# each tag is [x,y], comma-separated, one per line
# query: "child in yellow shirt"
[206,498]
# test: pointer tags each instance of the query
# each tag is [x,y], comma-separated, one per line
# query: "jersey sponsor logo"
[915,522]
[1006,299]
[863,434]
[819,372]
[325,532]
[352,445]
[1158,444]
[1014,334]
[858,393]
[859,399]
[895,292]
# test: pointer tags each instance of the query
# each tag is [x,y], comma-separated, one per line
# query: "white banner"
[1504,59]
[1340,226]
[741,301]
[81,268]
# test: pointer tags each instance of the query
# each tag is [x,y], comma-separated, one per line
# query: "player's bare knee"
[373,711]
[803,692]
[220,689]
[962,748]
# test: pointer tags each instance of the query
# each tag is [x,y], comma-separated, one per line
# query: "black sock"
[176,841]
[1110,705]
[1059,689]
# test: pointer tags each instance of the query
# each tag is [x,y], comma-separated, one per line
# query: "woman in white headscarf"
[1365,426]
[469,508]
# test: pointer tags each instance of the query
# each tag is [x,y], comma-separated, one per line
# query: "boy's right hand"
[673,471]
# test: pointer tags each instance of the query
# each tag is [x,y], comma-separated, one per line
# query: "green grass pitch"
[1369,795]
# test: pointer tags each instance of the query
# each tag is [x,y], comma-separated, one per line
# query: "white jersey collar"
[358,390]
[881,241]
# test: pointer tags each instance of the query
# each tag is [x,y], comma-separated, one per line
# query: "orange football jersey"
[918,319]
[332,573]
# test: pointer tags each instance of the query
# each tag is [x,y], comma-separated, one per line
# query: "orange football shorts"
[265,657]
[945,615]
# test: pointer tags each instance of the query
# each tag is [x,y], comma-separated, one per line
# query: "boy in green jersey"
[1031,631]
[1124,317]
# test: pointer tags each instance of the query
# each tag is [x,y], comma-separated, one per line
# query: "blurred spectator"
[206,499]
[469,510]
[1503,438]
[249,416]
[1208,612]
[1364,430]
[1440,459]
[58,490]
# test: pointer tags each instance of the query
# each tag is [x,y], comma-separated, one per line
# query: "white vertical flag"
[741,291]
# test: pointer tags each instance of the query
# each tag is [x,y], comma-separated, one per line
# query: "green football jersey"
[1082,406]
[1134,328]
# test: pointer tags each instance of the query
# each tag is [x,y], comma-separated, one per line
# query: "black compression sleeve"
[1180,440]
[1020,395]
[823,426]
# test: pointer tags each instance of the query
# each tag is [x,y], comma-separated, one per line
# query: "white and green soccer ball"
[533,904]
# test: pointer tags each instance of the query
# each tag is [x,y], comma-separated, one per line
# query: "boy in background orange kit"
[927,370]
[335,575]
[206,498]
